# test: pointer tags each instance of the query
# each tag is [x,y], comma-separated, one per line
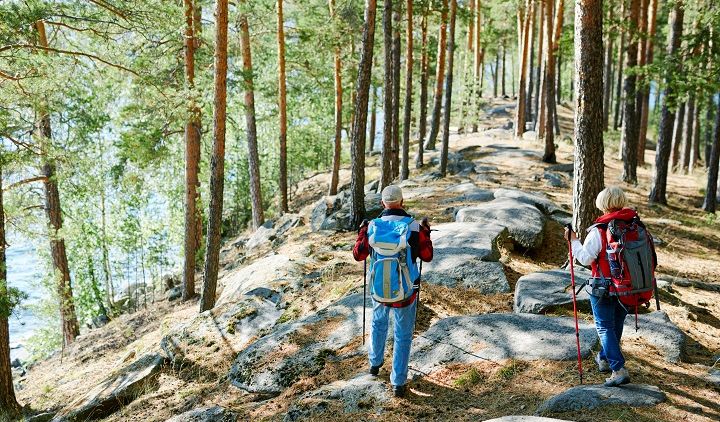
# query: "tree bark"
[641,57]
[588,178]
[373,119]
[539,105]
[520,115]
[695,152]
[8,403]
[645,106]
[629,137]
[448,89]
[667,118]
[386,156]
[250,123]
[619,86]
[439,76]
[357,151]
[192,159]
[687,142]
[607,85]
[424,59]
[217,162]
[396,92]
[677,136]
[553,39]
[338,113]
[496,74]
[53,211]
[529,111]
[282,108]
[710,203]
[405,170]
[504,92]
[708,129]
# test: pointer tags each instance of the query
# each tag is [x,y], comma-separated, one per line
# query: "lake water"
[24,272]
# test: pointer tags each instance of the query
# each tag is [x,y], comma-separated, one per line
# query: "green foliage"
[10,299]
[469,379]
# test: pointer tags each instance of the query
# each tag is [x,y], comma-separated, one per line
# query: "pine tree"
[448,89]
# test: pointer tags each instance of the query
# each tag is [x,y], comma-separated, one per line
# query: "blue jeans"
[402,333]
[609,321]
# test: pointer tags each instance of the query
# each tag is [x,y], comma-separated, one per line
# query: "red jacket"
[601,225]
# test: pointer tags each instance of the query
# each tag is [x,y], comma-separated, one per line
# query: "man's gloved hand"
[363,226]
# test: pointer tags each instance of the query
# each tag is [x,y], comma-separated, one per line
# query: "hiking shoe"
[603,365]
[374,370]
[618,378]
[399,390]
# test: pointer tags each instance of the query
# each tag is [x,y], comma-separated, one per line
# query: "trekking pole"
[572,281]
[417,299]
[364,297]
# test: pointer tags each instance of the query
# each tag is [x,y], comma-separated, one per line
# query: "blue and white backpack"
[392,271]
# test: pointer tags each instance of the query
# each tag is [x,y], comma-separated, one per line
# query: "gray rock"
[413,193]
[467,339]
[525,419]
[469,193]
[274,272]
[482,168]
[554,180]
[174,294]
[115,391]
[465,254]
[713,377]
[586,397]
[318,213]
[499,111]
[525,223]
[16,363]
[535,292]
[508,125]
[340,220]
[658,330]
[372,187]
[206,414]
[40,417]
[568,168]
[538,200]
[298,348]
[362,393]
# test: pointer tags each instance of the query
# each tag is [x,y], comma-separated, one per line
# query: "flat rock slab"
[117,390]
[586,397]
[658,330]
[467,339]
[536,292]
[206,414]
[298,348]
[273,272]
[525,419]
[362,393]
[538,200]
[466,254]
[468,192]
[525,222]
[713,377]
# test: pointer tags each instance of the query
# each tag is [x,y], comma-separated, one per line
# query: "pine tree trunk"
[529,111]
[479,54]
[695,152]
[520,115]
[8,403]
[53,211]
[588,178]
[217,162]
[373,119]
[629,139]
[439,76]
[334,178]
[677,136]
[558,80]
[422,119]
[192,159]
[386,157]
[607,85]
[645,100]
[448,89]
[618,85]
[496,74]
[710,203]
[687,142]
[554,26]
[504,92]
[357,151]
[396,92]
[539,105]
[282,108]
[708,129]
[667,118]
[405,170]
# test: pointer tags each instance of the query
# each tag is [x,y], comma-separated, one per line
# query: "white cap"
[392,194]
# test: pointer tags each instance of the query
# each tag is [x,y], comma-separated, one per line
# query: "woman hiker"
[404,310]
[608,312]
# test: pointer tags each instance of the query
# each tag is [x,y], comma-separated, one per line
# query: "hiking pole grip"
[572,281]
[364,298]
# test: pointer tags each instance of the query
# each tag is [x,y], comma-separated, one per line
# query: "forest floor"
[690,248]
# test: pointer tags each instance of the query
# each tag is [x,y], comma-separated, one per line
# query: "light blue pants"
[609,321]
[403,330]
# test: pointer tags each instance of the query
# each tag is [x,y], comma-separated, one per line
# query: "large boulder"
[536,292]
[340,220]
[469,192]
[525,223]
[466,254]
[298,348]
[659,331]
[467,339]
[536,199]
[586,397]
[271,230]
[115,391]
[206,414]
[362,393]
[271,275]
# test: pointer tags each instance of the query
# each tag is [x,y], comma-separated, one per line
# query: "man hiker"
[393,243]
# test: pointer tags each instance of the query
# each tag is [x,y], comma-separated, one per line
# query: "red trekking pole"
[572,281]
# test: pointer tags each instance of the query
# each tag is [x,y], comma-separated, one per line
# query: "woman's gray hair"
[610,199]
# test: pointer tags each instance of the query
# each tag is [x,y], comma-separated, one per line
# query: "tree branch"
[68,52]
[25,182]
